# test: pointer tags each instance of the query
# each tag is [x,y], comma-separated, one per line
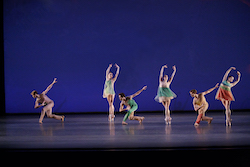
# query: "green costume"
[108,89]
[133,106]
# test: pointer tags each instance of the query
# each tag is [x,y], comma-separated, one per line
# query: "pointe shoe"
[111,117]
[228,122]
[168,120]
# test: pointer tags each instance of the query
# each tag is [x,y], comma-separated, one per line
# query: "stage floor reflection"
[94,132]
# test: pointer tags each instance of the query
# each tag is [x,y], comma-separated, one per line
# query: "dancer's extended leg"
[166,105]
[48,110]
[110,99]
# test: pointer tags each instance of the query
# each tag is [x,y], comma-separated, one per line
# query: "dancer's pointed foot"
[228,122]
[209,121]
[63,117]
[168,120]
[124,123]
[141,119]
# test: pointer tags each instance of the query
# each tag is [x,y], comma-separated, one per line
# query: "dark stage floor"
[94,132]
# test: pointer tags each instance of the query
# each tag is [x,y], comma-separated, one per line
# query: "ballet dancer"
[131,106]
[109,92]
[201,105]
[164,93]
[225,95]
[43,100]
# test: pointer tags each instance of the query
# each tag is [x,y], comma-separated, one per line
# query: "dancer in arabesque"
[109,92]
[42,100]
[224,93]
[201,105]
[164,93]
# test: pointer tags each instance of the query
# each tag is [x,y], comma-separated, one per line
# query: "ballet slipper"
[196,124]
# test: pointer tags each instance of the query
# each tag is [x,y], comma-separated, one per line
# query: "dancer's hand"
[232,68]
[55,80]
[174,68]
[217,85]
[165,66]
[44,103]
[110,65]
[116,65]
[144,88]
[238,73]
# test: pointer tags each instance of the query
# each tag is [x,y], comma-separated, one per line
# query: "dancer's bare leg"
[166,105]
[205,118]
[42,116]
[132,117]
[48,110]
[110,99]
[226,104]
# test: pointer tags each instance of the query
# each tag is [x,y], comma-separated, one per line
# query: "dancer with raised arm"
[224,93]
[109,91]
[43,100]
[201,105]
[164,93]
[131,106]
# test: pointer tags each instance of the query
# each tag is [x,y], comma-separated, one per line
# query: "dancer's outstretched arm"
[161,72]
[108,70]
[50,86]
[117,72]
[238,80]
[211,89]
[121,107]
[138,92]
[227,72]
[172,76]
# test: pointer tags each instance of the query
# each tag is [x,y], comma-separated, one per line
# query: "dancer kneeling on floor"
[43,100]
[201,105]
[131,106]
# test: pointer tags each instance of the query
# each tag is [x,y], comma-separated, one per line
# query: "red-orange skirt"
[223,94]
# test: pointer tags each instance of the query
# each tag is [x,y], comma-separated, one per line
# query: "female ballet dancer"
[164,93]
[43,100]
[201,105]
[131,106]
[109,91]
[225,95]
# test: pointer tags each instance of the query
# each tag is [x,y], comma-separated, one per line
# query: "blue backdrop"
[75,40]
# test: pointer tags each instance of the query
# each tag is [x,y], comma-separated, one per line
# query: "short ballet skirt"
[224,93]
[164,94]
[108,89]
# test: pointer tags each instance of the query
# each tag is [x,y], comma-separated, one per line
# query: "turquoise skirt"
[164,93]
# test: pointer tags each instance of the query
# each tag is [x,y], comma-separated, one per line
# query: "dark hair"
[33,93]
[229,76]
[122,94]
[193,91]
